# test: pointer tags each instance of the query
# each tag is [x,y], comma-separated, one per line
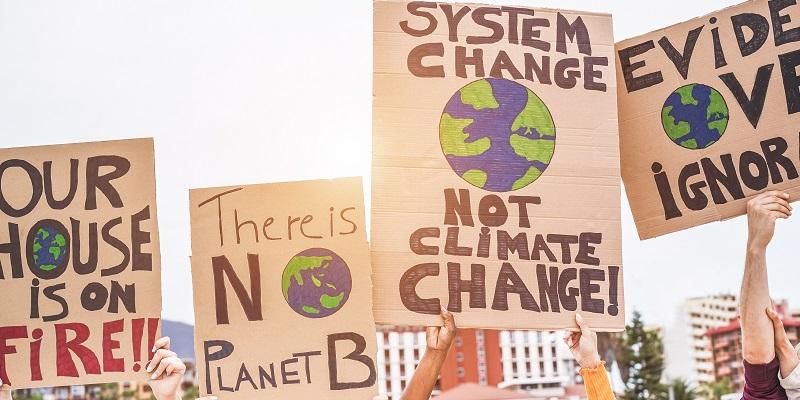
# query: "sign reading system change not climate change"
[495,166]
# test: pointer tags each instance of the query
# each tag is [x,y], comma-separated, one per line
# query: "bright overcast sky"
[263,91]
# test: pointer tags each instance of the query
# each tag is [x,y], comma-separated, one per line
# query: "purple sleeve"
[762,383]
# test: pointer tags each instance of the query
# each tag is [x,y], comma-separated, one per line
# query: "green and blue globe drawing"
[695,116]
[497,135]
[316,283]
[48,248]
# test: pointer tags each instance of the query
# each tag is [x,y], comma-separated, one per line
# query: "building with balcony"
[536,364]
[726,347]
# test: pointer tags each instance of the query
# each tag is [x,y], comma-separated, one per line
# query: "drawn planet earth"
[316,283]
[49,247]
[695,116]
[497,135]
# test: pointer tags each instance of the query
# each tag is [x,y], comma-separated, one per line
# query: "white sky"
[262,91]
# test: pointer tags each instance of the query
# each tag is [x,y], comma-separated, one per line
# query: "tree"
[643,358]
[715,390]
[683,390]
[109,391]
[192,393]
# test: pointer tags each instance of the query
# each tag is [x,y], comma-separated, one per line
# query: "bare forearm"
[788,357]
[421,385]
[758,341]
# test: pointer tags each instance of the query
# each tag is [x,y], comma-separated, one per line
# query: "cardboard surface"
[287,292]
[474,111]
[708,115]
[80,269]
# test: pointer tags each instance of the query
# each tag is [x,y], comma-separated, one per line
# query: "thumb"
[583,325]
[774,317]
[449,320]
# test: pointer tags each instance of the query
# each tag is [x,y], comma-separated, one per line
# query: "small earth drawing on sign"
[695,116]
[497,135]
[316,283]
[49,247]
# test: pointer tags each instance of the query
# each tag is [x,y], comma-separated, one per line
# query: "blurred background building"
[686,346]
[726,347]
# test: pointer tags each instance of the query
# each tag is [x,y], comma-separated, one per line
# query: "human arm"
[439,340]
[583,344]
[758,340]
[5,391]
[787,356]
[165,371]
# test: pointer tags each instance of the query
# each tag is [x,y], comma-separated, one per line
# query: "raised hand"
[583,344]
[441,338]
[5,391]
[165,371]
[762,212]
[786,353]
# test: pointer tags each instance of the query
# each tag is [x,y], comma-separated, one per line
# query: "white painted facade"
[399,354]
[686,346]
[536,361]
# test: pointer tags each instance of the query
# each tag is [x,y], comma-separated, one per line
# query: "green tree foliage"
[21,396]
[192,393]
[109,391]
[683,390]
[643,358]
[715,390]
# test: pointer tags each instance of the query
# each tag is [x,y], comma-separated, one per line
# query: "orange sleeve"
[598,387]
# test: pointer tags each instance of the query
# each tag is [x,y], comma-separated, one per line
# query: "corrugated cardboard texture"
[578,191]
[701,176]
[304,245]
[83,301]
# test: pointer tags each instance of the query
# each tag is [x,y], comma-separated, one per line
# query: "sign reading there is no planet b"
[282,291]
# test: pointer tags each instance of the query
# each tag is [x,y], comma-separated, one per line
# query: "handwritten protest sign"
[283,292]
[495,167]
[80,271]
[708,115]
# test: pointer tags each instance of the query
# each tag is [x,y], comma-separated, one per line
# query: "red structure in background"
[726,347]
[474,358]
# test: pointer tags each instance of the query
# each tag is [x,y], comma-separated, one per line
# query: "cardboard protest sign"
[496,186]
[708,115]
[282,291]
[80,269]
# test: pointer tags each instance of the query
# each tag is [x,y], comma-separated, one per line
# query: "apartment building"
[687,347]
[537,363]
[726,346]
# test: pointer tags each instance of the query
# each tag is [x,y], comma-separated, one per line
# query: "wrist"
[785,350]
[590,362]
[436,353]
[756,248]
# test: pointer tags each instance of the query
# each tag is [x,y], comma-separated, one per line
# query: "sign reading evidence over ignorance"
[708,115]
[80,265]
[495,167]
[282,291]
